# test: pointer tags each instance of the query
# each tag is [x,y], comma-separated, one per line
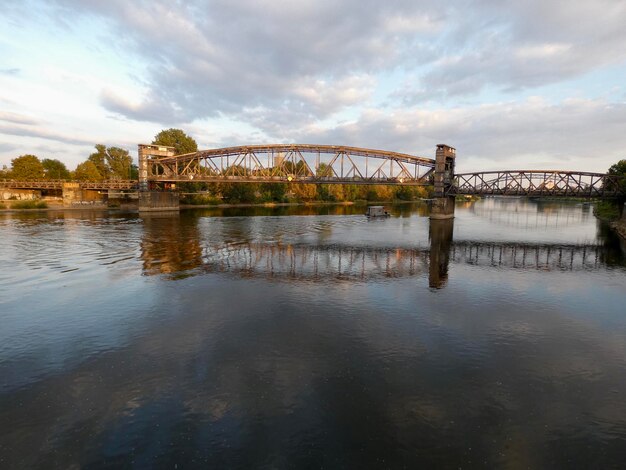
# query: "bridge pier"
[154,201]
[158,201]
[443,204]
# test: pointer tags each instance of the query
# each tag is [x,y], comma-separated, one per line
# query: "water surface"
[313,337]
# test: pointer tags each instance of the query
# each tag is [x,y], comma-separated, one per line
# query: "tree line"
[104,164]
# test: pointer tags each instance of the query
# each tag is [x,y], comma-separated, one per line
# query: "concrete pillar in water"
[440,234]
[158,201]
[154,201]
[443,204]
[72,192]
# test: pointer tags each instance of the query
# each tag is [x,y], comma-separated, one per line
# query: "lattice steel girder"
[342,162]
[539,183]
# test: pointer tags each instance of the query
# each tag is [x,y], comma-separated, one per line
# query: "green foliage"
[273,192]
[99,160]
[176,138]
[200,200]
[55,169]
[619,169]
[607,210]
[235,193]
[87,171]
[29,205]
[120,163]
[27,167]
[2,206]
[112,162]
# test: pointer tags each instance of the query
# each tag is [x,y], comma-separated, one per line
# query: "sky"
[538,84]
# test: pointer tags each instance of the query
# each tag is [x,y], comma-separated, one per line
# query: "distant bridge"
[538,183]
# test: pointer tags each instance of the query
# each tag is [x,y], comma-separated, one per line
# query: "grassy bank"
[25,205]
[609,211]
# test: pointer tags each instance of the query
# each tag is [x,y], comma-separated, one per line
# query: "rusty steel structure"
[58,184]
[303,163]
[538,183]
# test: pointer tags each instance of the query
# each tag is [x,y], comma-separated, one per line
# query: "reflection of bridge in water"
[547,257]
[286,261]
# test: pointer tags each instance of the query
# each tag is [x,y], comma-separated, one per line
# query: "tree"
[112,162]
[619,169]
[55,169]
[99,160]
[176,138]
[27,167]
[119,162]
[87,171]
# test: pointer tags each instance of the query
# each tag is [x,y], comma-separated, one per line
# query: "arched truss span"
[538,183]
[293,162]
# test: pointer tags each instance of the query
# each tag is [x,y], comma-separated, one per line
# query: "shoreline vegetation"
[609,212]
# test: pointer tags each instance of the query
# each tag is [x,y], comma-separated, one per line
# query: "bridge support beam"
[443,204]
[158,201]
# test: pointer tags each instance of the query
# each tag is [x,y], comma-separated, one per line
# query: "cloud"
[221,57]
[41,133]
[574,134]
[17,118]
[11,71]
[517,45]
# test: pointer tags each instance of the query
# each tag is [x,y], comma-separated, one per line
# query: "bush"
[607,210]
[200,200]
[29,205]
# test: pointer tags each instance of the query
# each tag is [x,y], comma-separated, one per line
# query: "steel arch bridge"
[332,164]
[304,163]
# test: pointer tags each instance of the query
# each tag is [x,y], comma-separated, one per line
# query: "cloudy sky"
[510,84]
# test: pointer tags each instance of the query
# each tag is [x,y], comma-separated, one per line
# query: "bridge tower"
[443,204]
[154,200]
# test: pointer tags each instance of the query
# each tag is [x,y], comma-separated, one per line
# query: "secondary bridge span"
[538,183]
[303,163]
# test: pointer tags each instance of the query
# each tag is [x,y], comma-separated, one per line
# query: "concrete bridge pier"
[158,201]
[443,205]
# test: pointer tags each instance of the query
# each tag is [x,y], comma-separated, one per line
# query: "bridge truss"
[537,183]
[59,184]
[295,162]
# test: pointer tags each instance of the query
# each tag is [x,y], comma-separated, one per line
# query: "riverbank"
[54,207]
[620,227]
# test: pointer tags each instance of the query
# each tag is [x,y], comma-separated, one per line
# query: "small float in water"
[377,211]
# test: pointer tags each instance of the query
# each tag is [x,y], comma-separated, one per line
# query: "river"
[296,337]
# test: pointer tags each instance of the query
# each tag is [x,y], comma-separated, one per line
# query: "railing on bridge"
[539,183]
[295,162]
[58,184]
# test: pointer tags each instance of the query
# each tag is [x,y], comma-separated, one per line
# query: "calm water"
[312,337]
